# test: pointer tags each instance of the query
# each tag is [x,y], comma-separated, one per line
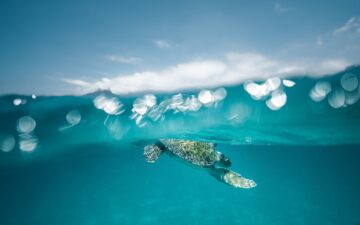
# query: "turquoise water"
[79,159]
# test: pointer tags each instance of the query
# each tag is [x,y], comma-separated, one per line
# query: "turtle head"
[223,159]
[152,153]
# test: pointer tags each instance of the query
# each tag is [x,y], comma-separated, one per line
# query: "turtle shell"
[199,153]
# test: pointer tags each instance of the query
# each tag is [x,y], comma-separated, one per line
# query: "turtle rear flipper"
[152,153]
[232,178]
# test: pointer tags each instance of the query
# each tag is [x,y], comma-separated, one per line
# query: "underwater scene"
[81,159]
[191,112]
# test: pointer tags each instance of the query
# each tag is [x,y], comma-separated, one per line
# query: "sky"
[73,47]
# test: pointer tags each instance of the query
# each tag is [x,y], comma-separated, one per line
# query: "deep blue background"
[104,184]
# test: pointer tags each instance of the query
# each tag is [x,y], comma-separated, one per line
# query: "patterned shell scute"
[198,153]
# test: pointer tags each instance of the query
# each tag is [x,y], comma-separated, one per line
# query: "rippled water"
[78,159]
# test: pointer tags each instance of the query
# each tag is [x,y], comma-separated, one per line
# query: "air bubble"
[288,83]
[19,101]
[176,102]
[26,124]
[7,143]
[193,104]
[320,91]
[206,97]
[73,117]
[277,100]
[28,142]
[273,83]
[352,97]
[110,105]
[349,82]
[220,94]
[140,107]
[150,100]
[256,91]
[337,98]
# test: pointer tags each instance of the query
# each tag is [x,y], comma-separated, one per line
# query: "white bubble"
[33,96]
[253,89]
[100,101]
[140,107]
[320,91]
[28,142]
[273,83]
[26,124]
[110,105]
[277,100]
[349,82]
[256,91]
[156,113]
[288,83]
[337,98]
[352,97]
[220,94]
[73,117]
[19,101]
[113,107]
[190,104]
[176,101]
[193,104]
[7,143]
[205,96]
[150,100]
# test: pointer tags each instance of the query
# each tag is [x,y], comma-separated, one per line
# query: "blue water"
[65,160]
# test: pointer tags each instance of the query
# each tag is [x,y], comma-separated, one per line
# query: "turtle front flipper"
[231,178]
[152,152]
[222,159]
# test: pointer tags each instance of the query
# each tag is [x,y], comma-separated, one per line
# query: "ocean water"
[79,159]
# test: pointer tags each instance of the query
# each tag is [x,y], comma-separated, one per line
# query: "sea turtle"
[200,154]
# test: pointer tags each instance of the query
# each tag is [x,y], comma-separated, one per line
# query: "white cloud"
[332,65]
[353,24]
[162,44]
[234,69]
[280,8]
[253,64]
[82,86]
[76,82]
[123,59]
